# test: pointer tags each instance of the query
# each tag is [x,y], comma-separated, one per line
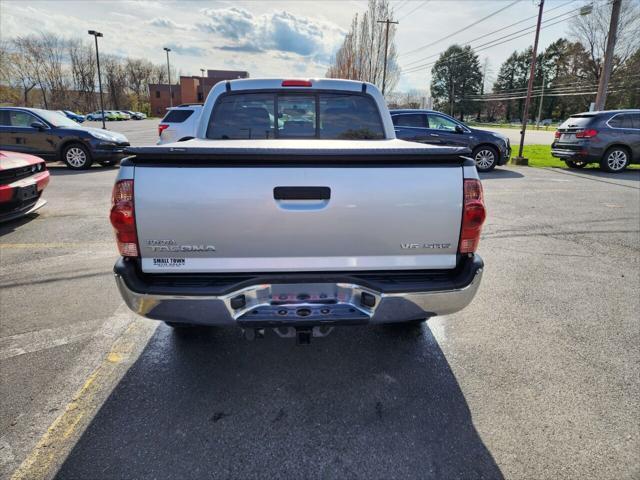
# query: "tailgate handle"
[302,193]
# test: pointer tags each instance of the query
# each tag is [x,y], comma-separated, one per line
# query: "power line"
[411,11]
[459,31]
[476,49]
[401,4]
[528,30]
[545,94]
[553,87]
[516,96]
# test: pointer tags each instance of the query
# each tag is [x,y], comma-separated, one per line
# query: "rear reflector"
[296,83]
[590,133]
[123,218]
[162,127]
[473,216]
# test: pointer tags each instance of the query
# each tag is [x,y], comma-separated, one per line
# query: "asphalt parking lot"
[537,378]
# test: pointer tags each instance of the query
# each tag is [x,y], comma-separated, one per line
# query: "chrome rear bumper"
[306,303]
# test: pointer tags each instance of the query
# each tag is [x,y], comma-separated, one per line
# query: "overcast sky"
[275,38]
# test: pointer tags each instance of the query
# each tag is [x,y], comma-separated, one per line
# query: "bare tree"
[592,31]
[82,60]
[115,81]
[139,73]
[15,72]
[52,54]
[31,59]
[361,56]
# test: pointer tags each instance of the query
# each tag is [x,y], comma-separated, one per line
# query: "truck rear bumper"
[298,299]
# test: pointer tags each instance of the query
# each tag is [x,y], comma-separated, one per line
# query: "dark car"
[76,117]
[53,136]
[22,181]
[610,138]
[426,126]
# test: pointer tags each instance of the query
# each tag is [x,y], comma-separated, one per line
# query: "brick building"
[192,89]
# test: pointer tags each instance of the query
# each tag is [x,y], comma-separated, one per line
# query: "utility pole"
[386,50]
[169,74]
[541,94]
[519,160]
[96,35]
[605,72]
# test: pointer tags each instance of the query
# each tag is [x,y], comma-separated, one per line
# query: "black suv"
[53,136]
[610,138]
[426,126]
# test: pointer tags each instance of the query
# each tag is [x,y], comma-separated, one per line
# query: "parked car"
[53,136]
[262,223]
[135,115]
[23,178]
[123,115]
[76,117]
[97,116]
[609,138]
[179,124]
[488,149]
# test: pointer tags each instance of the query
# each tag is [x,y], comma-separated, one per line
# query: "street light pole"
[96,35]
[386,50]
[202,83]
[519,160]
[605,73]
[169,75]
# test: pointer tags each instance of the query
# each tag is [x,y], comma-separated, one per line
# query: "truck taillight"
[473,216]
[123,218]
[161,128]
[589,133]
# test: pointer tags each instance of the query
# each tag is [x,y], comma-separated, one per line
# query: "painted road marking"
[45,339]
[58,440]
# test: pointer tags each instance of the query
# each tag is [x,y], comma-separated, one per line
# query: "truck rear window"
[295,115]
[177,116]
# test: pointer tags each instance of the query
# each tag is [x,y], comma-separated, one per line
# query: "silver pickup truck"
[295,208]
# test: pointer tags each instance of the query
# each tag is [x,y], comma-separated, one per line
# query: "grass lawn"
[540,156]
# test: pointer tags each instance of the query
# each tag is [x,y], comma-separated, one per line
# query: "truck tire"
[486,158]
[615,160]
[77,156]
[575,164]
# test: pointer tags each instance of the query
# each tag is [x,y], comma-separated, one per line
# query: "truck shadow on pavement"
[361,403]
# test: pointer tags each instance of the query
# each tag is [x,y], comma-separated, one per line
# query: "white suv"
[179,123]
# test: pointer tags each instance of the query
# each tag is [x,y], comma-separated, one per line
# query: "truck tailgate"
[228,219]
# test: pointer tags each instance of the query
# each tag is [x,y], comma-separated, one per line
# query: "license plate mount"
[27,193]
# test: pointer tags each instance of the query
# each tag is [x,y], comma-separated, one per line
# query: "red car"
[22,180]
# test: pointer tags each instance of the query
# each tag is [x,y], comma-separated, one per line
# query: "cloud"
[191,51]
[234,23]
[166,23]
[280,31]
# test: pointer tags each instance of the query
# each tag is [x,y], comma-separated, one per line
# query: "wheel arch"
[624,147]
[66,142]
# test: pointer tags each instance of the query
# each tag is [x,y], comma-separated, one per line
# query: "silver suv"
[179,124]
